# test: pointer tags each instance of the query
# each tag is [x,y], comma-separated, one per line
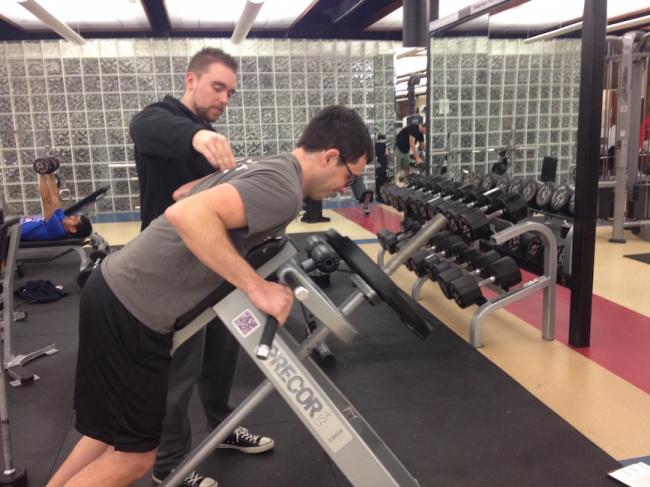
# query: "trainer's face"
[209,92]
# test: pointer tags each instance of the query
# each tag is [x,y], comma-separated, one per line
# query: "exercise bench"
[328,415]
[14,364]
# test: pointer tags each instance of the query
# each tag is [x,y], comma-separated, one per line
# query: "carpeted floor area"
[450,415]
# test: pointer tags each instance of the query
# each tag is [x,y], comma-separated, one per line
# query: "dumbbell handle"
[486,281]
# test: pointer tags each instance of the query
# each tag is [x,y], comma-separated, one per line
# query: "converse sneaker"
[244,441]
[192,480]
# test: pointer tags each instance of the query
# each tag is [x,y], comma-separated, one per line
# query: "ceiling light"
[52,22]
[246,20]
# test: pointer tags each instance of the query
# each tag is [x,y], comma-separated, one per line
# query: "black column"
[415,27]
[434,9]
[588,152]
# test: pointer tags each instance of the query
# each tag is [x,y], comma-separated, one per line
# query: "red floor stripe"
[378,219]
[620,337]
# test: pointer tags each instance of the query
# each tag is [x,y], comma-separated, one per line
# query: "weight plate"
[476,180]
[545,194]
[529,191]
[503,182]
[486,182]
[414,316]
[516,186]
[561,197]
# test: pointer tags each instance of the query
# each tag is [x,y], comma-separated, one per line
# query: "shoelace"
[242,432]
[193,479]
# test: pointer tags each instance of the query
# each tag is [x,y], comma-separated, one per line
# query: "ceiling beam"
[158,18]
[364,14]
[333,19]
[9,31]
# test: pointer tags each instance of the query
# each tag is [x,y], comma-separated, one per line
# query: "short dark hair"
[83,226]
[338,127]
[208,55]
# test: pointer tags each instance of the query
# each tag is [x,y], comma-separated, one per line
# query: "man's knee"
[136,463]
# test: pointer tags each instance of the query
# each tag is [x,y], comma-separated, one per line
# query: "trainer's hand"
[215,148]
[273,299]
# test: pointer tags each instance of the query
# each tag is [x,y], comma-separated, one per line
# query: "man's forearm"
[54,190]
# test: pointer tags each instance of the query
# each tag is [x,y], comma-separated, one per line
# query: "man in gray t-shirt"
[128,307]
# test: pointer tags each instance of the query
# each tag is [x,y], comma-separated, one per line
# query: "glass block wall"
[484,89]
[385,113]
[76,103]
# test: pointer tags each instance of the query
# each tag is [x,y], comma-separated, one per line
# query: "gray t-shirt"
[158,279]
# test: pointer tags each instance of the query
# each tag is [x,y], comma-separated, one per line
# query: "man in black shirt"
[175,144]
[405,143]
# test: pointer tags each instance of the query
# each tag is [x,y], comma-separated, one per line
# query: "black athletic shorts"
[122,372]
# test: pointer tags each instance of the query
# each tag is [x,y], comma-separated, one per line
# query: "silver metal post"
[546,282]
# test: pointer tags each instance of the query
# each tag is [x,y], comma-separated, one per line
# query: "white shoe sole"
[250,450]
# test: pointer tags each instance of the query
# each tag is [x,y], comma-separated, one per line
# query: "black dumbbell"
[529,191]
[469,195]
[489,181]
[531,246]
[545,194]
[415,262]
[46,165]
[503,182]
[440,190]
[476,265]
[466,290]
[470,257]
[475,224]
[516,185]
[389,241]
[561,198]
[443,244]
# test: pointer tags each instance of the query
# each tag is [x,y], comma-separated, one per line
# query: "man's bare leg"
[114,469]
[93,463]
[85,451]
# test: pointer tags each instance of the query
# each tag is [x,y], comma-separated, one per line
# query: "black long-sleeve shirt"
[165,160]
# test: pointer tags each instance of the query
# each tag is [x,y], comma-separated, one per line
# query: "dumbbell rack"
[547,282]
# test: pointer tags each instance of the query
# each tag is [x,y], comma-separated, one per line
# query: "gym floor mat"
[645,258]
[451,416]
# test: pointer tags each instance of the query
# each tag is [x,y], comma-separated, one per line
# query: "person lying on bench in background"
[54,224]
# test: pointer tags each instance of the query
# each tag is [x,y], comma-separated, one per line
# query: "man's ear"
[331,154]
[190,80]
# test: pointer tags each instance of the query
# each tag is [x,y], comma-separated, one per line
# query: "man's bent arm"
[49,195]
[158,132]
[202,221]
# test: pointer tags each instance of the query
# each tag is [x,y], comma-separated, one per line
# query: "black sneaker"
[244,441]
[192,480]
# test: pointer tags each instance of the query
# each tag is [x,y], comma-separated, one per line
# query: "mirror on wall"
[502,101]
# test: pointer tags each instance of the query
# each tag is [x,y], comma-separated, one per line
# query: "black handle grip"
[270,327]
[290,280]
